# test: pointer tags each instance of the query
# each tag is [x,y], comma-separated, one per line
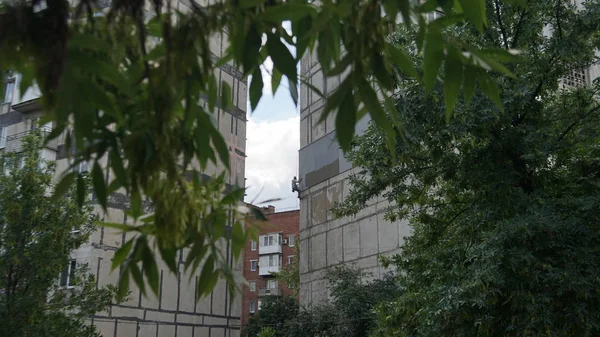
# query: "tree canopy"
[127,82]
[503,202]
[38,295]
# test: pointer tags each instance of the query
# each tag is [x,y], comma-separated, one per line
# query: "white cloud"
[272,149]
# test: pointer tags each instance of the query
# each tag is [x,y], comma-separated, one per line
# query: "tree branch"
[572,125]
[502,30]
[518,29]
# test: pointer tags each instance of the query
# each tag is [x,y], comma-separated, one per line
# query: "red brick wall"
[285,223]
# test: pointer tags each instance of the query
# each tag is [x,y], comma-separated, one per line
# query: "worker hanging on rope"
[295,185]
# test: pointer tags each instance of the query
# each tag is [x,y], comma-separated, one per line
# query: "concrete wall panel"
[351,246]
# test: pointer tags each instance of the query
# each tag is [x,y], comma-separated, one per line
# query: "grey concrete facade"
[327,241]
[174,312]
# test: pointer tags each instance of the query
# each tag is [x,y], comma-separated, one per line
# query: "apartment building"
[174,312]
[274,250]
[355,241]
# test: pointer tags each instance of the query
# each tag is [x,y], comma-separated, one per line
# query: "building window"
[253,265]
[67,277]
[290,259]
[9,90]
[252,245]
[270,240]
[252,307]
[252,286]
[82,167]
[2,137]
[576,78]
[291,240]
[271,284]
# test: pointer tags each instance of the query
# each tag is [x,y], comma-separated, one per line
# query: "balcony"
[269,292]
[273,249]
[270,244]
[14,142]
[268,270]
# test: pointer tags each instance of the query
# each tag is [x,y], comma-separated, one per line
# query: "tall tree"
[148,65]
[41,292]
[504,203]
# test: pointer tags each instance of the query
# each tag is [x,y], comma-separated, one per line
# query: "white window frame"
[271,284]
[70,272]
[9,90]
[273,239]
[253,263]
[291,240]
[253,245]
[291,259]
[252,307]
[2,137]
[252,285]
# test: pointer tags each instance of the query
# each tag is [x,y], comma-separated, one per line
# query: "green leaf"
[312,87]
[403,61]
[81,190]
[118,167]
[251,50]
[206,277]
[434,54]
[369,97]
[136,205]
[275,80]
[493,64]
[79,40]
[238,239]
[490,88]
[219,143]
[121,254]
[256,87]
[123,283]
[288,12]
[282,57]
[99,184]
[345,121]
[149,266]
[244,4]
[469,81]
[63,186]
[293,91]
[474,11]
[226,95]
[335,99]
[169,255]
[138,278]
[382,73]
[452,81]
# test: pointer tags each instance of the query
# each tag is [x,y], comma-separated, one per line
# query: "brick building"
[273,251]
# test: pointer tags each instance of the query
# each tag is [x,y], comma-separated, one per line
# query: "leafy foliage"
[274,312]
[129,86]
[37,235]
[348,313]
[290,274]
[503,203]
[267,332]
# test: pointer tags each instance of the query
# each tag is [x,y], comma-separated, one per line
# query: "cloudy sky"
[272,145]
